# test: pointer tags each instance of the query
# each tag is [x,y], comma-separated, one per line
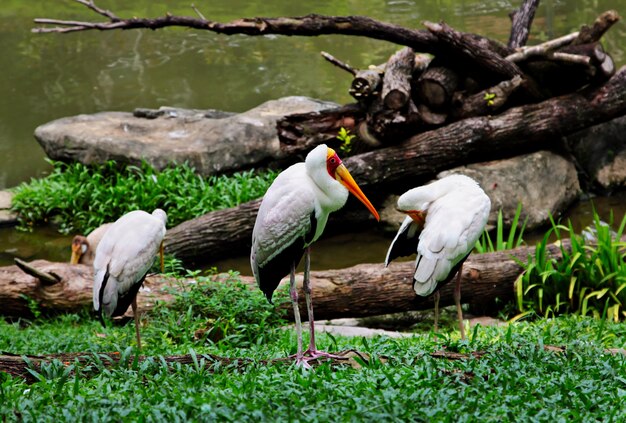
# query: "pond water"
[48,76]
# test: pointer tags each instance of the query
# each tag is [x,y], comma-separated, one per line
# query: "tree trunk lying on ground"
[359,291]
[19,365]
[521,129]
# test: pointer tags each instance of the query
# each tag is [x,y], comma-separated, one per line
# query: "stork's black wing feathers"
[124,300]
[406,241]
[278,267]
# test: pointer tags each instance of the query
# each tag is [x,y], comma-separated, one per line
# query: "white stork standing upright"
[444,221]
[123,258]
[291,217]
[84,248]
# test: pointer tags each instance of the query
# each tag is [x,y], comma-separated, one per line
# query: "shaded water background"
[49,76]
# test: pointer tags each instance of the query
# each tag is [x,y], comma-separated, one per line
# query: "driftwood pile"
[460,76]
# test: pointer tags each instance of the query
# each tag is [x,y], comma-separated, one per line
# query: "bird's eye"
[332,160]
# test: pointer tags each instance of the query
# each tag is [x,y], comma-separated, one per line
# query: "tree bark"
[359,291]
[522,19]
[365,84]
[23,295]
[602,24]
[436,87]
[485,102]
[473,54]
[397,79]
[301,132]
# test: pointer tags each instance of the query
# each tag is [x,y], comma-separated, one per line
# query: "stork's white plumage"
[444,221]
[123,257]
[84,248]
[292,215]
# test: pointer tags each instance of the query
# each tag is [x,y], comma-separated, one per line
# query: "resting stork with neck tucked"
[444,221]
[123,258]
[292,216]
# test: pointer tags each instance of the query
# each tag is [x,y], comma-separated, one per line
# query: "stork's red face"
[338,171]
[332,162]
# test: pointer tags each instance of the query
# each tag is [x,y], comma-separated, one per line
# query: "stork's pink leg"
[136,315]
[457,301]
[312,353]
[296,310]
[436,297]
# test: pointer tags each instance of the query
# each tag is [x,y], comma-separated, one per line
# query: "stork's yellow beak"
[76,253]
[343,176]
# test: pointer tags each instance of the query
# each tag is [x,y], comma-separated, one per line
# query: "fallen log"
[88,363]
[301,132]
[24,295]
[477,139]
[396,90]
[436,86]
[359,291]
[485,102]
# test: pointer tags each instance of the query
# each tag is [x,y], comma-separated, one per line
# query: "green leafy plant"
[219,308]
[513,240]
[79,198]
[489,97]
[33,305]
[589,279]
[346,140]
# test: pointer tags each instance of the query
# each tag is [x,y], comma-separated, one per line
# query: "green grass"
[80,198]
[589,280]
[514,238]
[517,380]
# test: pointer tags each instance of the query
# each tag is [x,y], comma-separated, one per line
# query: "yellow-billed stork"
[444,221]
[123,257]
[292,215]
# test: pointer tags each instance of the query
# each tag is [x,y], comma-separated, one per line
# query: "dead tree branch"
[341,65]
[310,25]
[543,48]
[522,19]
[45,277]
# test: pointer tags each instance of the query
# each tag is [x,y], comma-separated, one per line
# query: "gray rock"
[7,217]
[5,199]
[209,141]
[352,331]
[601,153]
[544,182]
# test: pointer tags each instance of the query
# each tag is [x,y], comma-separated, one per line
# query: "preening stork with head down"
[444,221]
[84,247]
[292,216]
[123,258]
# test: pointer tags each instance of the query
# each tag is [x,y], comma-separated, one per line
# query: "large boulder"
[544,182]
[7,216]
[211,141]
[600,152]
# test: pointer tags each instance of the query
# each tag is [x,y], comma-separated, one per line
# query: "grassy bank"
[80,198]
[518,378]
